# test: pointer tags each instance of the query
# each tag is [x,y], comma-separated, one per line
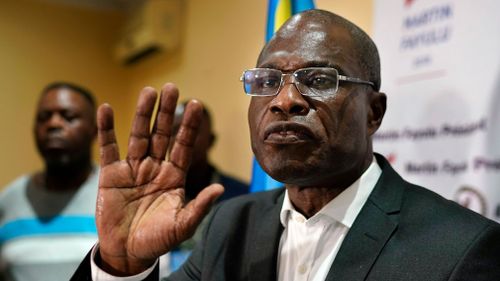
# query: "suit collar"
[372,228]
[388,193]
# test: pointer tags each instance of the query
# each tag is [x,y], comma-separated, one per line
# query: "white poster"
[441,73]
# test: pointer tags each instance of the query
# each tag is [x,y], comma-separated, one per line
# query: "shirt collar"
[346,206]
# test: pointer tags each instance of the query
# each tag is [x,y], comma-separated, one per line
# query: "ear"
[377,107]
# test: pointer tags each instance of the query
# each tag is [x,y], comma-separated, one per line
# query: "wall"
[42,42]
[357,11]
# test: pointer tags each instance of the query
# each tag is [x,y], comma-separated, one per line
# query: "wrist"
[122,266]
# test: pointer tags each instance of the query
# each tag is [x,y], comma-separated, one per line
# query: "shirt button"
[302,269]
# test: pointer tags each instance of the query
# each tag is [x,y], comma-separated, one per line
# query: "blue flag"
[278,12]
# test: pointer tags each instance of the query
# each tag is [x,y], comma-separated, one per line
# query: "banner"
[441,73]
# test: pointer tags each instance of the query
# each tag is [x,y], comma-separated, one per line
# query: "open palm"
[141,213]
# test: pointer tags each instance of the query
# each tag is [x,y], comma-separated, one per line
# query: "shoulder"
[14,201]
[92,181]
[419,205]
[422,203]
[452,234]
[15,187]
[424,217]
[433,225]
[431,233]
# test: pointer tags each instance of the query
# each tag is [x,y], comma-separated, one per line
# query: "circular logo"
[471,198]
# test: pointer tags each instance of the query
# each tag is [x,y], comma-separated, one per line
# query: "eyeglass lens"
[312,81]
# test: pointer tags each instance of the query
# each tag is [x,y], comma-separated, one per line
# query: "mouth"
[55,144]
[287,133]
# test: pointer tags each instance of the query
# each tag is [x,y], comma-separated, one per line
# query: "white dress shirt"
[307,246]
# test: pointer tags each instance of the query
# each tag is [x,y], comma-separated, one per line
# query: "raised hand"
[141,213]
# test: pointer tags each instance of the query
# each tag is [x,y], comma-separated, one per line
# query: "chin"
[59,161]
[289,171]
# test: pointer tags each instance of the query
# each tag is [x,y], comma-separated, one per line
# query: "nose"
[289,101]
[56,121]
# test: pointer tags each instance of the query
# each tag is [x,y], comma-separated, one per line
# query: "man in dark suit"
[344,214]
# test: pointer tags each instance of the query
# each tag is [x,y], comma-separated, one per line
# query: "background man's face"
[64,127]
[325,138]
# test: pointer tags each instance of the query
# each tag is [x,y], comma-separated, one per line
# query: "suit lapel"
[372,228]
[362,245]
[264,251]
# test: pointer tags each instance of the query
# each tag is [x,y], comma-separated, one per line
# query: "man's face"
[312,140]
[64,127]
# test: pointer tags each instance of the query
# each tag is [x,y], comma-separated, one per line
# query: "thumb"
[198,208]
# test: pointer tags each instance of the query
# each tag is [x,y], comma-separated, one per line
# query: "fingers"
[162,128]
[143,143]
[106,136]
[182,150]
[138,144]
[197,208]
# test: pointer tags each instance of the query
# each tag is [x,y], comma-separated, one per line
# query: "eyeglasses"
[310,81]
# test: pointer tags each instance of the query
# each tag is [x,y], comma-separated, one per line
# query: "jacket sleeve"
[481,260]
[84,271]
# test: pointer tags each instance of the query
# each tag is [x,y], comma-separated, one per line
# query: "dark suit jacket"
[404,232]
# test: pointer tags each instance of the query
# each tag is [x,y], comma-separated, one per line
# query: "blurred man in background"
[47,218]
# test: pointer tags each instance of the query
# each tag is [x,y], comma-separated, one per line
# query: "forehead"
[63,99]
[308,42]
